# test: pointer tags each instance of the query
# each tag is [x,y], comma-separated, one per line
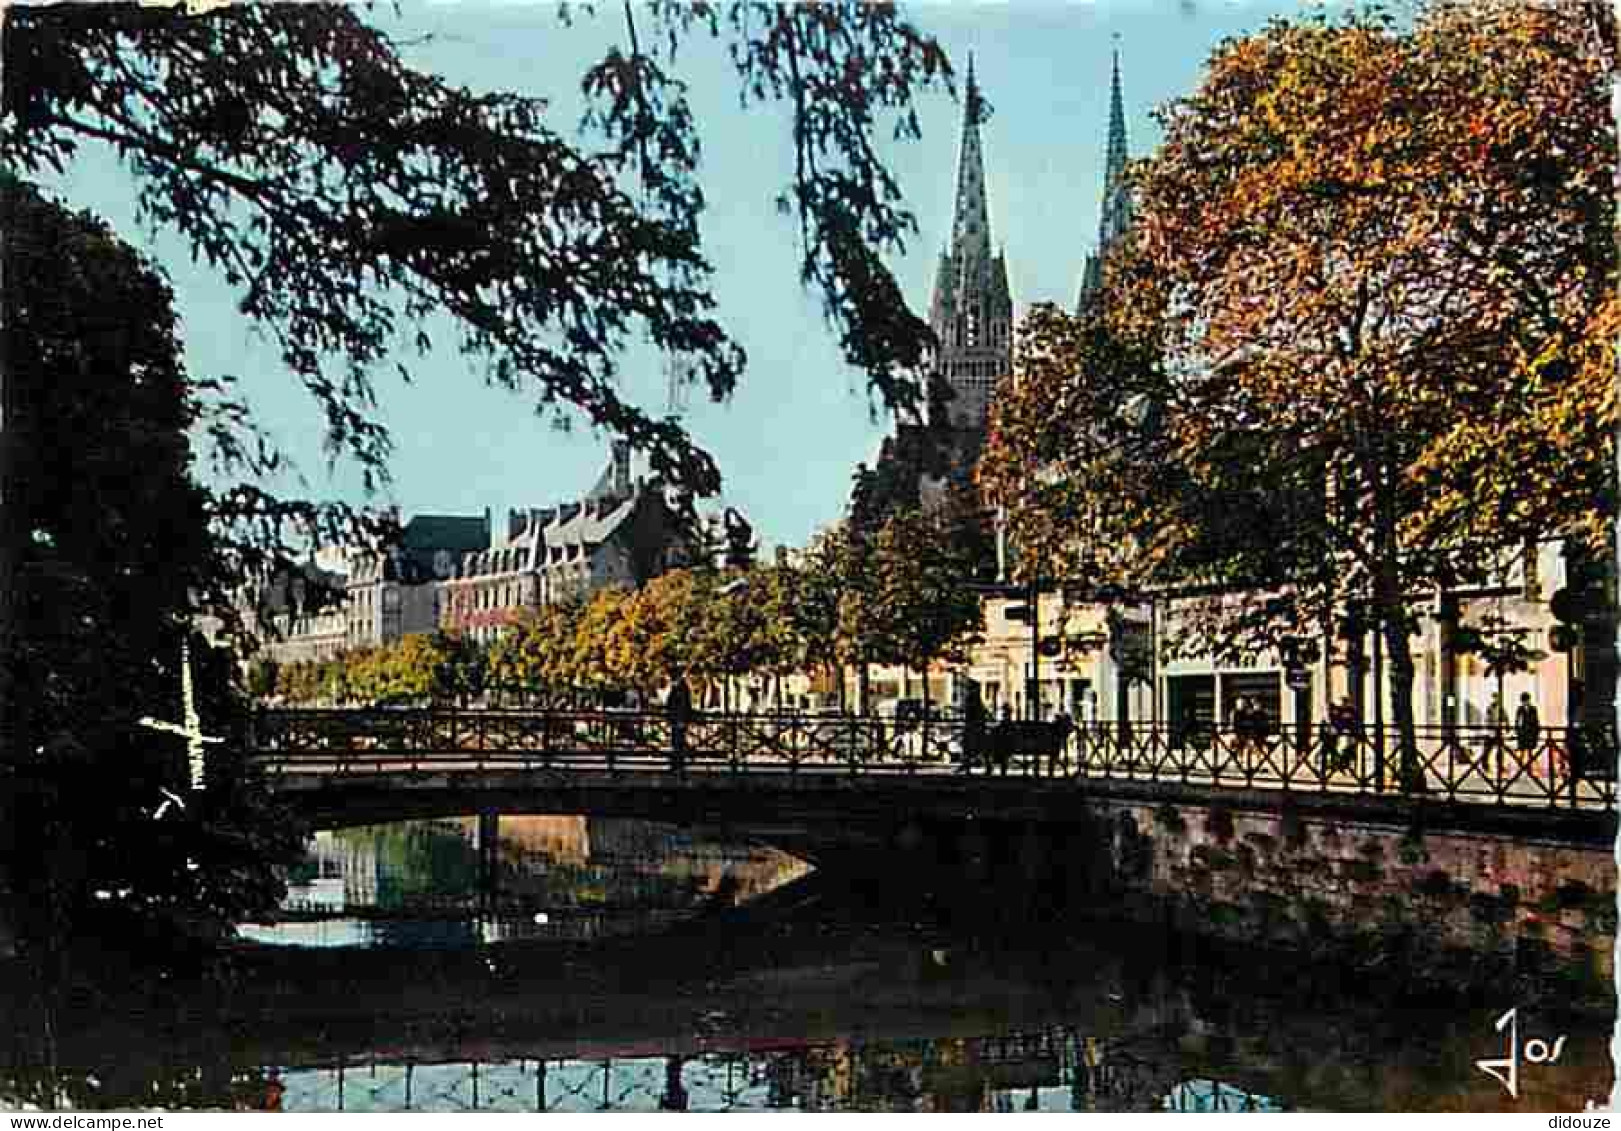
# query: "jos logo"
[1535,1051]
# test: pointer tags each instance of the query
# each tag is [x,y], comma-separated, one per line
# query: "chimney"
[516,524]
[486,525]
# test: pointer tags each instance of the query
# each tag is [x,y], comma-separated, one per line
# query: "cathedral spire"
[972,310]
[971,223]
[1115,160]
[1116,214]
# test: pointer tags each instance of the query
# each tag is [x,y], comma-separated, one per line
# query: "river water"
[588,964]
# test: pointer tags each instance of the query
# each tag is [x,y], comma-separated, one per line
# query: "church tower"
[972,311]
[1116,216]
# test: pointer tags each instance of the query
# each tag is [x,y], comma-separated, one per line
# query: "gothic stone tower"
[1116,199]
[972,311]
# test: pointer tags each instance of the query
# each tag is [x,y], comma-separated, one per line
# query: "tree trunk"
[1391,622]
[1393,626]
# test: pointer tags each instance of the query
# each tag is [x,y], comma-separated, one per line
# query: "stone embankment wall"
[1452,908]
[1410,901]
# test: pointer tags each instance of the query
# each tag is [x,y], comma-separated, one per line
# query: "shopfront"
[1198,702]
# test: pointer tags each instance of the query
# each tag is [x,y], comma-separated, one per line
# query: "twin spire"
[1116,201]
[971,226]
[1115,160]
[972,308]
[1116,213]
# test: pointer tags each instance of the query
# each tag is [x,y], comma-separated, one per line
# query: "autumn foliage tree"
[604,656]
[825,574]
[1340,359]
[534,656]
[781,646]
[924,608]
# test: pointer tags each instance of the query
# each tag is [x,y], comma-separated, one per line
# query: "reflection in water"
[1071,1073]
[1212,1095]
[1053,1069]
[814,998]
[418,884]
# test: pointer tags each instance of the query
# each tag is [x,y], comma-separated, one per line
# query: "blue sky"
[789,439]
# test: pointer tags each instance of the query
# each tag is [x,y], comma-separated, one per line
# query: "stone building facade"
[392,593]
[302,618]
[621,532]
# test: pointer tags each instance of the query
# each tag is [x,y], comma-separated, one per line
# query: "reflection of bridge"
[1051,1068]
[356,766]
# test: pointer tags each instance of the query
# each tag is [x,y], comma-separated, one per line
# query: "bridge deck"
[1563,771]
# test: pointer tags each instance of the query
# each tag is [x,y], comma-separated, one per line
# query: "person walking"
[1495,740]
[1004,737]
[678,705]
[1243,729]
[1527,732]
[1497,714]
[974,719]
[1342,716]
[1063,727]
[1328,742]
[1188,731]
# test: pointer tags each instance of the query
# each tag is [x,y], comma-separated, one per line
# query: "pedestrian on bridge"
[1527,732]
[1058,753]
[973,729]
[678,705]
[1346,747]
[1497,715]
[1003,740]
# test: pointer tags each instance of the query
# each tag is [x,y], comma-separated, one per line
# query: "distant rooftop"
[445,532]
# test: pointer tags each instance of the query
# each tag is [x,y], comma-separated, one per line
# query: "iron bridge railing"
[1562,768]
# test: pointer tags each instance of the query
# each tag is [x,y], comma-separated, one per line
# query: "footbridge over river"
[348,767]
[1468,843]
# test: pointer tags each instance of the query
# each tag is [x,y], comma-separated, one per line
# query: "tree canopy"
[116,558]
[346,197]
[1369,288]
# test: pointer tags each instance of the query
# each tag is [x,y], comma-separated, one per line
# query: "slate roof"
[445,532]
[304,582]
[571,529]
